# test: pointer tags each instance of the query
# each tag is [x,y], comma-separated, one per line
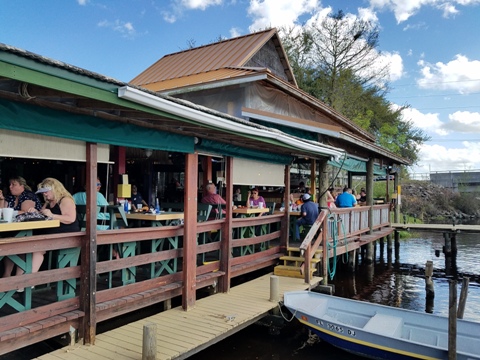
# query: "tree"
[336,61]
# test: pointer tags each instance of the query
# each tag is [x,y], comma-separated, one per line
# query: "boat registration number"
[337,328]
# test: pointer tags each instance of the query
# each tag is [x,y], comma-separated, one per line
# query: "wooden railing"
[149,271]
[341,223]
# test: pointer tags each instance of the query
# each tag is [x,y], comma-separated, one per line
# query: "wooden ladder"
[292,263]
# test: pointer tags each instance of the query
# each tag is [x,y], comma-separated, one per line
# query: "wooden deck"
[180,333]
[437,227]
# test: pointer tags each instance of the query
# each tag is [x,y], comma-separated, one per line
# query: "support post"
[429,288]
[463,297]
[452,320]
[226,239]
[274,288]
[190,232]
[149,344]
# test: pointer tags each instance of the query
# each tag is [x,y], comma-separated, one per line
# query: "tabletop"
[248,210]
[164,215]
[29,225]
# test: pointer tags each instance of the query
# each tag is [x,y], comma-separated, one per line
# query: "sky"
[432,48]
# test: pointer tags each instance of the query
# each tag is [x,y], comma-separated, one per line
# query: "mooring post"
[429,289]
[274,292]
[389,250]
[149,345]
[351,260]
[452,320]
[274,286]
[397,247]
[463,297]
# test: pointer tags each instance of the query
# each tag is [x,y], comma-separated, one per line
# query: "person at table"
[308,214]
[59,205]
[137,198]
[331,197]
[213,198]
[362,198]
[80,198]
[21,196]
[346,199]
[254,199]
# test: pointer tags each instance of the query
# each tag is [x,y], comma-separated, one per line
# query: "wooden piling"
[274,286]
[429,288]
[452,320]
[149,345]
[463,297]
[397,246]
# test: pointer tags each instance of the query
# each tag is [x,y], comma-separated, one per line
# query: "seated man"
[308,216]
[214,199]
[346,199]
[362,199]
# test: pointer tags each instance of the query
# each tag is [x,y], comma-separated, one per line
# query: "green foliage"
[467,203]
[336,62]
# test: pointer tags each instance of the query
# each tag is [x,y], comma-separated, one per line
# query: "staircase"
[292,262]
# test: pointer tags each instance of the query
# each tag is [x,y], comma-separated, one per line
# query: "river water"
[401,284]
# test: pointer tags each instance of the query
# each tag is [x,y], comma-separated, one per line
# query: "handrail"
[312,242]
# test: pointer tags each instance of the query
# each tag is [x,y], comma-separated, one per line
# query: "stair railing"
[315,237]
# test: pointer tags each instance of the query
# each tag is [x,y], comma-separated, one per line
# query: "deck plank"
[183,333]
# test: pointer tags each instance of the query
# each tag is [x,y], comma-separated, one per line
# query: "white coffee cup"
[260,205]
[139,206]
[7,214]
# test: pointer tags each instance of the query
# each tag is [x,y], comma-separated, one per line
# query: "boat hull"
[381,332]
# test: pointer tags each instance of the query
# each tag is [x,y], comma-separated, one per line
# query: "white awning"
[32,146]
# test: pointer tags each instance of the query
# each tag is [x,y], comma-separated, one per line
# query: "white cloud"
[460,74]
[404,9]
[273,13]
[235,32]
[395,64]
[440,158]
[199,4]
[464,122]
[124,28]
[429,122]
[82,2]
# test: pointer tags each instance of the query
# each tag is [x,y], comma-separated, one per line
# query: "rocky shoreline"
[427,201]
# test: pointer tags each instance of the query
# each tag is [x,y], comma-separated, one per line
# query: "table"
[23,229]
[248,231]
[164,218]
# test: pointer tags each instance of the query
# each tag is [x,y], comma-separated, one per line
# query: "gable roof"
[231,53]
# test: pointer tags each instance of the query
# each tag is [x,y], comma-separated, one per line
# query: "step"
[290,271]
[317,255]
[299,259]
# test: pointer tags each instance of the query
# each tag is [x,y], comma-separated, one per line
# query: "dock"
[180,333]
[437,227]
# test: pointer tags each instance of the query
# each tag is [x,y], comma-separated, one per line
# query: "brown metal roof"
[232,53]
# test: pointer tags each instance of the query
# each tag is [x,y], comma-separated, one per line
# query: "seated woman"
[21,197]
[59,205]
[254,199]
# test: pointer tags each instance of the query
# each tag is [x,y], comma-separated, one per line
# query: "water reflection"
[404,284]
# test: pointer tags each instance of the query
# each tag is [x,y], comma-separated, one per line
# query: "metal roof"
[229,53]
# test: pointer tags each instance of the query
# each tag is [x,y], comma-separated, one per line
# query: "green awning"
[356,167]
[38,120]
[223,149]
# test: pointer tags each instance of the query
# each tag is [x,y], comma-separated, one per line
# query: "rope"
[333,221]
[283,316]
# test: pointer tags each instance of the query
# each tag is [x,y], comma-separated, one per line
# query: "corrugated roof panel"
[201,78]
[229,53]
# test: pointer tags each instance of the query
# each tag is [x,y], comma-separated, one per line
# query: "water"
[401,285]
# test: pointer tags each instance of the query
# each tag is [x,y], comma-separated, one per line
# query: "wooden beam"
[190,231]
[88,280]
[225,247]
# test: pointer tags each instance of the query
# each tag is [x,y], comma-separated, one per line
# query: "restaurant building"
[57,120]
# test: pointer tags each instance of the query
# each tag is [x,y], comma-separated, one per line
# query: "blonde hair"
[58,190]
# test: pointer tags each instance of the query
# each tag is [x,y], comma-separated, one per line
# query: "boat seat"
[385,325]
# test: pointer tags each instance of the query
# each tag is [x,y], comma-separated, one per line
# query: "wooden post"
[285,224]
[190,232]
[313,183]
[149,344]
[352,256]
[226,239]
[452,320]
[397,246]
[88,287]
[323,182]
[389,250]
[463,297]
[429,289]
